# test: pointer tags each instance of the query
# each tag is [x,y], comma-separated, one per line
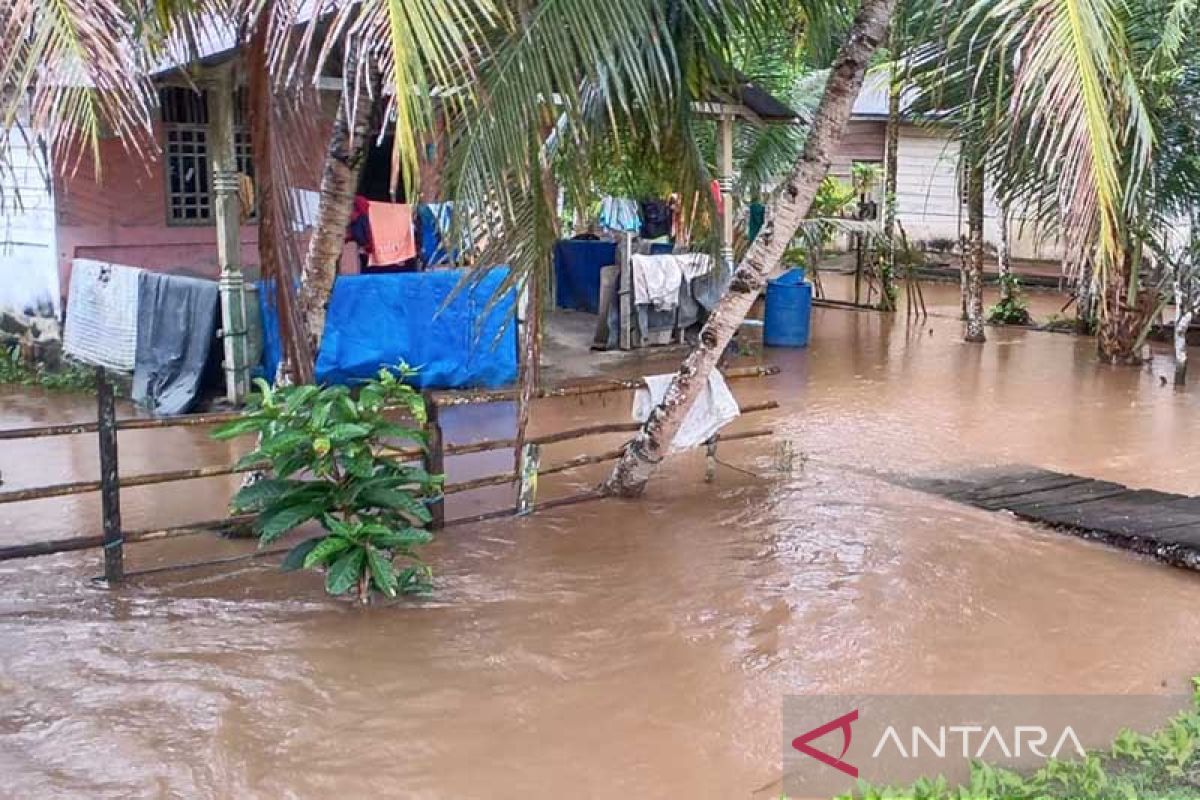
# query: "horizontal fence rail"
[432,456]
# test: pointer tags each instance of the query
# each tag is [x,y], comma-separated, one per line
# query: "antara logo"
[843,722]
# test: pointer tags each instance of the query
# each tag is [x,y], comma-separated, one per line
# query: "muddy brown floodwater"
[610,649]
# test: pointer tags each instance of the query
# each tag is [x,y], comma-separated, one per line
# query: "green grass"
[72,377]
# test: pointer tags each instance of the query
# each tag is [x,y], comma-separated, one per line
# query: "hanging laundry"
[358,230]
[102,314]
[436,220]
[718,198]
[305,207]
[620,214]
[657,279]
[656,219]
[391,233]
[177,325]
[758,215]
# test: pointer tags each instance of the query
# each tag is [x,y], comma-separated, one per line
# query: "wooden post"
[434,459]
[110,480]
[531,457]
[725,181]
[625,262]
[710,460]
[227,214]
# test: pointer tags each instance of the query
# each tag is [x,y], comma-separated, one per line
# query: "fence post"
[531,458]
[710,459]
[625,291]
[110,480]
[434,459]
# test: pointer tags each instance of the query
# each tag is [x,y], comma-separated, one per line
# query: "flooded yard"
[610,649]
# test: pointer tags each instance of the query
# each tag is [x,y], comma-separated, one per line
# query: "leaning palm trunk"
[973,279]
[339,182]
[643,454]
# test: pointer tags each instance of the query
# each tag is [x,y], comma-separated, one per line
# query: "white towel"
[657,279]
[102,314]
[714,408]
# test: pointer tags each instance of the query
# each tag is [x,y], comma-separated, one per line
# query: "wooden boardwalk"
[1160,524]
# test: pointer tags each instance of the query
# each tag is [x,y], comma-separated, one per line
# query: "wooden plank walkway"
[1159,524]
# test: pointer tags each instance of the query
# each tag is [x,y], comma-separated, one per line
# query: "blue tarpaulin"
[577,266]
[380,320]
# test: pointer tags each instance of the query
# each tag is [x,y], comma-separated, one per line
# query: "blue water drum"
[789,310]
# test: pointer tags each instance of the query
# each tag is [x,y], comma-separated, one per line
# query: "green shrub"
[328,455]
[1012,308]
[71,376]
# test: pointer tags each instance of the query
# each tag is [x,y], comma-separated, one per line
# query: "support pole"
[227,211]
[725,180]
[531,458]
[625,291]
[434,458]
[110,481]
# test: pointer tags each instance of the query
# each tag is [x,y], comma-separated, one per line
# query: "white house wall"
[28,264]
[929,204]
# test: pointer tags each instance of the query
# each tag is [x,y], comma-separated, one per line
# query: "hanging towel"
[657,279]
[714,408]
[177,323]
[102,314]
[391,233]
[620,214]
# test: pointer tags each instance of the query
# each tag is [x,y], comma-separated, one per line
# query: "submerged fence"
[113,537]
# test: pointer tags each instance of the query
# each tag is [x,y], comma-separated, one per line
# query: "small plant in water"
[1012,308]
[71,376]
[328,454]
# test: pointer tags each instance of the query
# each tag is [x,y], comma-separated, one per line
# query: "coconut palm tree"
[643,454]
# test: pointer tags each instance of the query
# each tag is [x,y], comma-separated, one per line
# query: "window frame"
[201,138]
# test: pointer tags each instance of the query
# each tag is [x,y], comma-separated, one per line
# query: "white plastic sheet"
[715,408]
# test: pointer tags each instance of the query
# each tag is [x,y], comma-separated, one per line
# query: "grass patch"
[71,377]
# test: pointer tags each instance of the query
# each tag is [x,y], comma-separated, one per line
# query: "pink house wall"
[120,214]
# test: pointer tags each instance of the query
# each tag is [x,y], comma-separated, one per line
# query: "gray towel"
[177,318]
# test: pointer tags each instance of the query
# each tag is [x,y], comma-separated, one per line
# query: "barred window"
[188,156]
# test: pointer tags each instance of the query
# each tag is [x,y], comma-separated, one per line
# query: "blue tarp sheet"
[380,320]
[577,266]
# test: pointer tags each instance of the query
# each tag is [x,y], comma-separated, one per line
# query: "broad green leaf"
[324,552]
[275,523]
[383,574]
[320,415]
[415,579]
[239,428]
[255,496]
[393,430]
[299,397]
[285,442]
[400,539]
[254,458]
[394,499]
[345,571]
[294,560]
[348,431]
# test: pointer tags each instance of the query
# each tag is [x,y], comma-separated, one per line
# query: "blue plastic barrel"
[789,310]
